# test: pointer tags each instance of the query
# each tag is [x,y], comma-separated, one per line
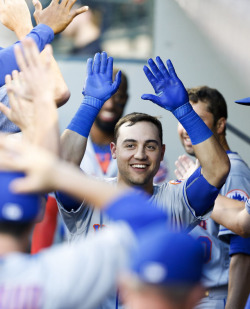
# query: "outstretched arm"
[171,94]
[99,87]
[232,214]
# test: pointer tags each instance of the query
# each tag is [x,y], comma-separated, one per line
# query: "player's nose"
[140,153]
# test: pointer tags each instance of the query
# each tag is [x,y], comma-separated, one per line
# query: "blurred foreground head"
[165,273]
[17,211]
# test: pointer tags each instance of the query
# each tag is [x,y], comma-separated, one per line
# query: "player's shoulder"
[238,165]
[166,187]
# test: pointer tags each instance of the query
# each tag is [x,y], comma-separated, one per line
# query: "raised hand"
[15,15]
[169,90]
[58,15]
[37,163]
[21,111]
[185,166]
[99,82]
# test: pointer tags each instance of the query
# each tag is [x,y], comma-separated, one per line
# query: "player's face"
[112,110]
[138,152]
[201,109]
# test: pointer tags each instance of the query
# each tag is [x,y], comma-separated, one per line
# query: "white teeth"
[139,165]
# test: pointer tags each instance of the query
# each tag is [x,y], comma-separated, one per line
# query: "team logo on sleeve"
[175,182]
[238,195]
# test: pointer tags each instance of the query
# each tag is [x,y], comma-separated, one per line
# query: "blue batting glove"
[99,82]
[169,90]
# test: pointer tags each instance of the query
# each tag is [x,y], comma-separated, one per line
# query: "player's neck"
[9,244]
[99,137]
[149,188]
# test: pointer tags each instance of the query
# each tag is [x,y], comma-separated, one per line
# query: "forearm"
[239,281]
[81,186]
[232,214]
[73,146]
[211,155]
[214,161]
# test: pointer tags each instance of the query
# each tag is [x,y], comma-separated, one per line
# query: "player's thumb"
[117,81]
[150,97]
[38,6]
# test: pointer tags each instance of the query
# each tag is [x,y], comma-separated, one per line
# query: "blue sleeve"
[201,195]
[68,202]
[239,245]
[41,34]
[135,209]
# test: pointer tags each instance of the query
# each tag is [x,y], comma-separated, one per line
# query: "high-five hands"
[170,93]
[58,15]
[99,82]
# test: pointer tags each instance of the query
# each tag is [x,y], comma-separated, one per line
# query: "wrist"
[21,32]
[85,116]
[192,123]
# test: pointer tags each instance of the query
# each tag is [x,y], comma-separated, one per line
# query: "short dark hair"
[15,229]
[215,101]
[137,117]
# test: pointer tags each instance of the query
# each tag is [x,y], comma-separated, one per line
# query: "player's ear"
[221,125]
[113,150]
[163,148]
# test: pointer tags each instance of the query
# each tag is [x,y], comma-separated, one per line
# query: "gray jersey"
[171,196]
[58,278]
[237,185]
[216,268]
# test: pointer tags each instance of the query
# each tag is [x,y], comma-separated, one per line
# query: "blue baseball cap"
[167,258]
[17,207]
[245,101]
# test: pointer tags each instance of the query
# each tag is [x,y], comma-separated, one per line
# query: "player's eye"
[151,147]
[129,146]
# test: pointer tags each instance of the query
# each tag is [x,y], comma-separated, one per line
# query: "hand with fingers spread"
[31,96]
[15,15]
[21,111]
[36,163]
[185,167]
[58,15]
[99,87]
[170,93]
[99,82]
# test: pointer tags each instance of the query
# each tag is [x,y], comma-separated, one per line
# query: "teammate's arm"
[232,214]
[172,95]
[99,87]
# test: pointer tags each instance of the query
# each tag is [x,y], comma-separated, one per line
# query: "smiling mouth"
[140,166]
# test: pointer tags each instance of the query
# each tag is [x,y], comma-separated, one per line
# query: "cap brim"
[245,101]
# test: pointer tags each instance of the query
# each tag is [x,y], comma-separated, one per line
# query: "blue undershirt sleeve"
[201,195]
[41,34]
[239,245]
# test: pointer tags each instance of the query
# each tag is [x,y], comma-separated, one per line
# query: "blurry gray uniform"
[216,269]
[86,221]
[5,124]
[171,196]
[63,278]
[237,185]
